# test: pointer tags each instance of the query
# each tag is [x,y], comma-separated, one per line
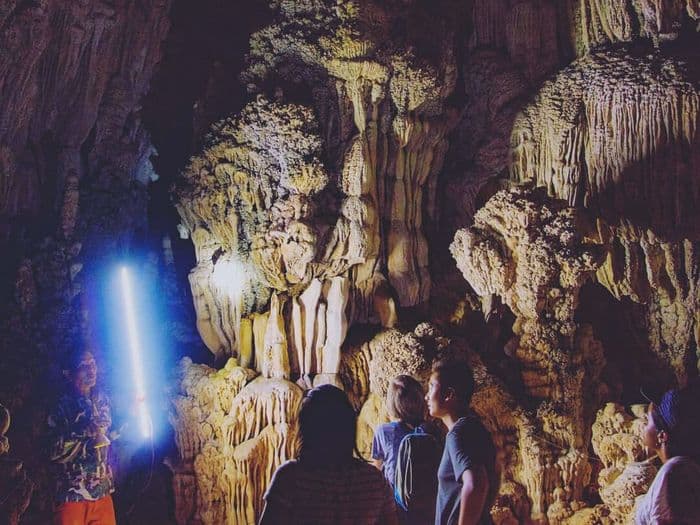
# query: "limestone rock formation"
[233,430]
[616,132]
[531,253]
[314,211]
[248,202]
[302,231]
[627,473]
[380,82]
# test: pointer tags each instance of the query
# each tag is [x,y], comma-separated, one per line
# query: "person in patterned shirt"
[78,426]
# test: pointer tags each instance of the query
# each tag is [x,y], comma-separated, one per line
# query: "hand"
[97,429]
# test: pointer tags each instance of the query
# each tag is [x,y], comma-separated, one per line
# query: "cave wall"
[75,162]
[324,214]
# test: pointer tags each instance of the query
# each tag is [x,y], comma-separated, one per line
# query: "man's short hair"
[457,375]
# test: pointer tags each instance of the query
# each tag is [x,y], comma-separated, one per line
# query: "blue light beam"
[135,350]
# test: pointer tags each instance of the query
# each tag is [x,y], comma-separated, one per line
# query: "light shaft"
[135,352]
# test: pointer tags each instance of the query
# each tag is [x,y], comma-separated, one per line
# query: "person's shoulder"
[470,432]
[286,473]
[468,424]
[364,469]
[288,466]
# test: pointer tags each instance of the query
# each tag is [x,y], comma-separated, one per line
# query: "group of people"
[330,483]
[417,475]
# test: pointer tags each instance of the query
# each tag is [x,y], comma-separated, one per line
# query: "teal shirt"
[82,473]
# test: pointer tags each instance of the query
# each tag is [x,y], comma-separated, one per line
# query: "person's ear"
[449,393]
[662,437]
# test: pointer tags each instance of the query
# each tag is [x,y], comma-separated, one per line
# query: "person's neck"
[451,417]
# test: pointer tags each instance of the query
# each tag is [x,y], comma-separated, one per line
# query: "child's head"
[405,400]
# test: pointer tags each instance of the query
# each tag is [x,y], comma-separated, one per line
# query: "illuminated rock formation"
[314,216]
[530,252]
[233,430]
[390,88]
[617,133]
[627,473]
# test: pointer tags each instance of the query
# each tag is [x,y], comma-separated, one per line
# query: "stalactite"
[633,165]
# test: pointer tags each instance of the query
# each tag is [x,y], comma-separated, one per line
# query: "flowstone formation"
[617,133]
[320,241]
[302,230]
[626,472]
[232,430]
[531,253]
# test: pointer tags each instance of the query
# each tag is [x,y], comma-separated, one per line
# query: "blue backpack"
[415,477]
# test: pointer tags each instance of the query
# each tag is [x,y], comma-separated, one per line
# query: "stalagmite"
[309,330]
[275,359]
[336,325]
[531,253]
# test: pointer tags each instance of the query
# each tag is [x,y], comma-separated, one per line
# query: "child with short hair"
[405,402]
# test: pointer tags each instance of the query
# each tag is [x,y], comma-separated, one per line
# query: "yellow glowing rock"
[593,136]
[530,251]
[618,441]
[275,358]
[245,347]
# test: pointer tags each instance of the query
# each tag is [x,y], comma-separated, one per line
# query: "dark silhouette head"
[327,426]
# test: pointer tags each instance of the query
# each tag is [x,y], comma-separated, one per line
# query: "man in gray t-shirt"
[467,481]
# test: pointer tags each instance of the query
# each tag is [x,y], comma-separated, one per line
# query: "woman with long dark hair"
[327,483]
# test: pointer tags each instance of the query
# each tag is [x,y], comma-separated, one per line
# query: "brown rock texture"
[616,133]
[530,252]
[233,430]
[74,165]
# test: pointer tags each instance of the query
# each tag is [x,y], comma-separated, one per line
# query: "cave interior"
[316,191]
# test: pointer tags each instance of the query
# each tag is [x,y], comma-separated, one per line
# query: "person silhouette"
[327,483]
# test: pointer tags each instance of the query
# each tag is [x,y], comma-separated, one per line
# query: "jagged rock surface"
[530,252]
[618,441]
[74,165]
[616,132]
[233,430]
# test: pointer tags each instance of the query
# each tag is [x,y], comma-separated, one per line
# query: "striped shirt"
[354,494]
